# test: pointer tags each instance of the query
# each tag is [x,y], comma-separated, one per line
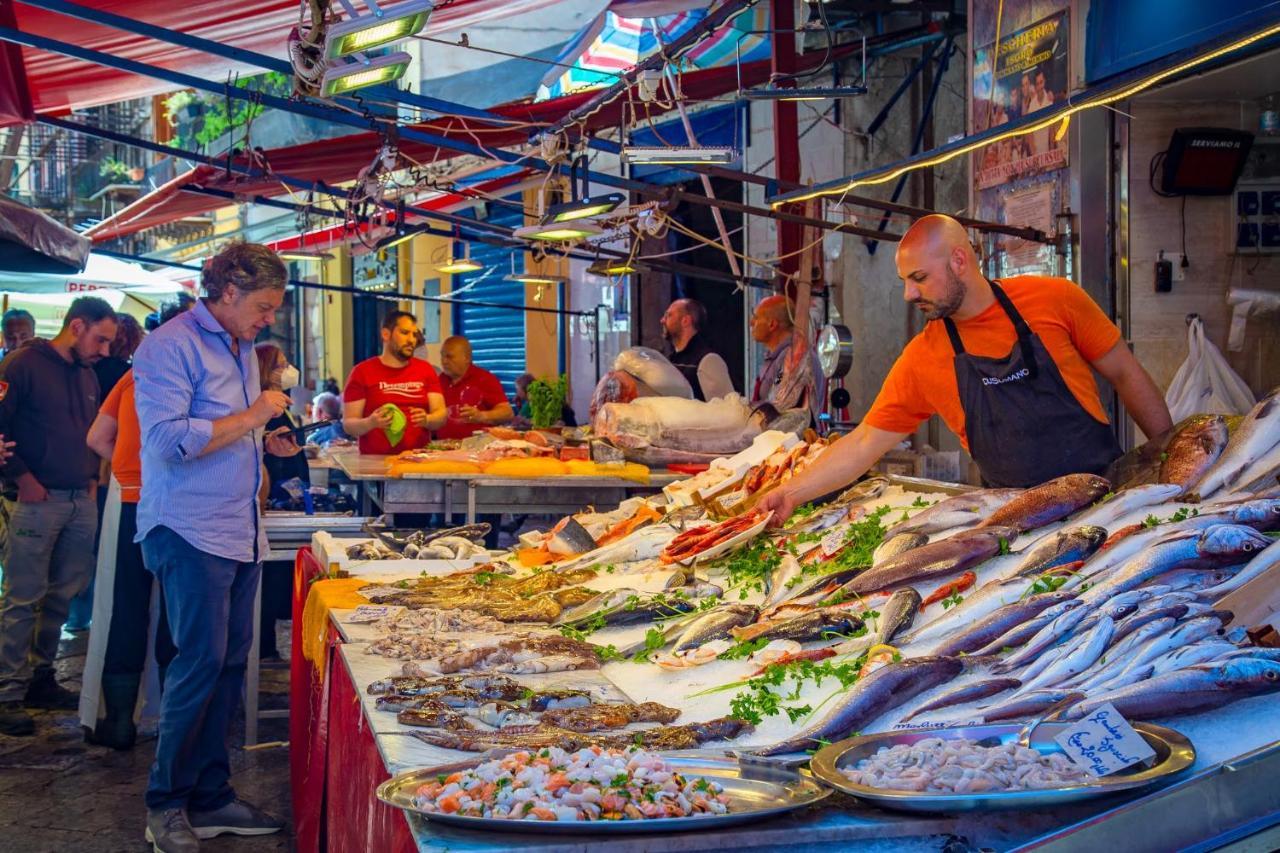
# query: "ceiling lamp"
[583,208]
[533,277]
[774,93]
[661,155]
[303,255]
[609,269]
[400,236]
[462,264]
[559,232]
[347,77]
[378,27]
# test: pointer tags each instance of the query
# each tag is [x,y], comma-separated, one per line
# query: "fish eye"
[1271,675]
[1248,546]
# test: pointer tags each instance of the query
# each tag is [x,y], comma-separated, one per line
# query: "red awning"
[58,83]
[335,161]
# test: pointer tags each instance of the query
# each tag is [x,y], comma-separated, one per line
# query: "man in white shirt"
[706,371]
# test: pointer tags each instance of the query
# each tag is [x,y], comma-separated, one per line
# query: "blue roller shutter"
[496,334]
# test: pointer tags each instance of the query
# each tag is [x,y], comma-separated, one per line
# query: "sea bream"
[1049,502]
[1193,450]
[945,557]
[1057,549]
[1257,433]
[966,510]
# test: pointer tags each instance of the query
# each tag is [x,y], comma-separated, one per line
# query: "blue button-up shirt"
[186,377]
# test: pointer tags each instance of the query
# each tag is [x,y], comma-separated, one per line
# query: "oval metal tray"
[1174,754]
[755,792]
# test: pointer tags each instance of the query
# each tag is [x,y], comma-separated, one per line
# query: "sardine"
[944,557]
[1049,502]
[891,619]
[716,625]
[1185,691]
[1126,502]
[883,690]
[1193,450]
[966,694]
[1066,546]
[1080,658]
[967,509]
[992,633]
[1258,433]
[896,545]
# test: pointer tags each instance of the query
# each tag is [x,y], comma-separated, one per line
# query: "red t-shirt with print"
[406,387]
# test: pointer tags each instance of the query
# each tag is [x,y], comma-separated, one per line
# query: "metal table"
[476,494]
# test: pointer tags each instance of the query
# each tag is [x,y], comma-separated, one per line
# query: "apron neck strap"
[1020,327]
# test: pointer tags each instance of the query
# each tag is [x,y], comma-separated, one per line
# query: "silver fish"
[1258,433]
[1127,501]
[1083,656]
[963,510]
[716,625]
[1027,705]
[837,509]
[896,545]
[782,580]
[1184,691]
[944,557]
[1255,477]
[1196,653]
[1184,634]
[976,607]
[1056,549]
[894,617]
[1044,638]
[1117,657]
[982,636]
[642,544]
[1018,633]
[966,694]
[1268,559]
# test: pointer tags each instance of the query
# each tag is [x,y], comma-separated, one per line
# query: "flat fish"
[1049,502]
[967,509]
[944,557]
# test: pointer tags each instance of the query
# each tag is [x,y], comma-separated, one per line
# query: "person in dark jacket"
[689,351]
[48,399]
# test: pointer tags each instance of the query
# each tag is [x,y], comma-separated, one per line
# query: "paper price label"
[371,613]
[1104,743]
[833,541]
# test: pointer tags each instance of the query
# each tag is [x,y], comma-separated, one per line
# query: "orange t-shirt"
[922,382]
[126,459]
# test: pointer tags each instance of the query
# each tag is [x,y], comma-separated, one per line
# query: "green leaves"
[952,600]
[546,401]
[739,651]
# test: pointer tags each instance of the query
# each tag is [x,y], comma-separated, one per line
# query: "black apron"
[1023,423]
[687,360]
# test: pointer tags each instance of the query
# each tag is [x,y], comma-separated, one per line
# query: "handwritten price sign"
[1104,743]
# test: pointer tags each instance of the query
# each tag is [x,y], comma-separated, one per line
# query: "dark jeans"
[209,606]
[126,652]
[277,603]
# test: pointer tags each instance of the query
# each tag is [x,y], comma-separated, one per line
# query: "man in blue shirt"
[201,414]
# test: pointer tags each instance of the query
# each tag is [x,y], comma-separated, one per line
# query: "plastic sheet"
[1246,303]
[32,242]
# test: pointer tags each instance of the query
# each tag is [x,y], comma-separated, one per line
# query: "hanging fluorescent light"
[662,155]
[609,269]
[559,232]
[535,278]
[379,27]
[303,255]
[773,93]
[393,240]
[583,208]
[462,264]
[349,76]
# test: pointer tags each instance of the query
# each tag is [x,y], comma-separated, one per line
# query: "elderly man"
[771,326]
[1008,365]
[708,375]
[474,396]
[48,399]
[18,327]
[201,411]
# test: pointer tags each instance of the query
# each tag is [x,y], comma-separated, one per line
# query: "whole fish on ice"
[966,510]
[1049,502]
[1258,433]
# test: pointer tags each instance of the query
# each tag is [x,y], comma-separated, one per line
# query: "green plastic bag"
[394,432]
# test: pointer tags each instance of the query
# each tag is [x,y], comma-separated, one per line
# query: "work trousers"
[209,604]
[48,556]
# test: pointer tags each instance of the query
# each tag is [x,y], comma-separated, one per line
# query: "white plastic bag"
[1205,383]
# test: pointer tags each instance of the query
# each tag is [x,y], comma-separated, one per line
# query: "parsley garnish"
[952,600]
[739,651]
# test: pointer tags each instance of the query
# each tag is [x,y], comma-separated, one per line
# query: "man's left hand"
[279,442]
[471,414]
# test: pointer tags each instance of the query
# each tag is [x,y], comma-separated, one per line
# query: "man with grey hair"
[201,414]
[18,327]
[682,325]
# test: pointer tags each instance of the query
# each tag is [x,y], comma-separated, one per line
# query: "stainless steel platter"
[754,792]
[1174,754]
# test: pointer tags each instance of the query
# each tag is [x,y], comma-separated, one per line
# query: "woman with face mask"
[277,374]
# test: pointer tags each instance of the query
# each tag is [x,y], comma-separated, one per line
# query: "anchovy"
[981,636]
[896,545]
[716,625]
[968,509]
[1049,502]
[883,690]
[1184,691]
[1083,656]
[895,616]
[966,694]
[944,557]
[1057,549]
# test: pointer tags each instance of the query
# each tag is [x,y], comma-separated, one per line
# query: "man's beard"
[666,333]
[947,304]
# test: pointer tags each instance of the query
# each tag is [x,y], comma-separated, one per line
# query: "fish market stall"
[919,646]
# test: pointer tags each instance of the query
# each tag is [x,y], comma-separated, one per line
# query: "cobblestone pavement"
[57,793]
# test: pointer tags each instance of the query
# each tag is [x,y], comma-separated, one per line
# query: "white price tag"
[371,613]
[1104,742]
[833,541]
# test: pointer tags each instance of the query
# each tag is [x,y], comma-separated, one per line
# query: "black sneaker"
[46,694]
[237,818]
[14,720]
[169,832]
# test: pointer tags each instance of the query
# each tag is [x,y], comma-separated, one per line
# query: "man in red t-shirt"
[394,377]
[474,395]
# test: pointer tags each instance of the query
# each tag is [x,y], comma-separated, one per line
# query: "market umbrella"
[626,32]
[31,242]
[100,272]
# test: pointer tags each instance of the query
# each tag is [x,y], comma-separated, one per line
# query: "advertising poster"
[1028,72]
